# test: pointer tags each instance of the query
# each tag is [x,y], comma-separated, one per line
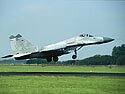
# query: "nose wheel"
[74,56]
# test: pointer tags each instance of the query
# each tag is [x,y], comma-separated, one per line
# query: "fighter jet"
[23,49]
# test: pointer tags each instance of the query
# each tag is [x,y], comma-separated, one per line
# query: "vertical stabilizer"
[20,45]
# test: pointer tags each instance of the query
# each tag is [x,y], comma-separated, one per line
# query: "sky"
[45,22]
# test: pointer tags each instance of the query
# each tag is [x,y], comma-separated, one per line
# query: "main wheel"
[49,59]
[74,57]
[55,58]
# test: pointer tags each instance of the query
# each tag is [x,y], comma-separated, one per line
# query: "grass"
[41,68]
[61,85]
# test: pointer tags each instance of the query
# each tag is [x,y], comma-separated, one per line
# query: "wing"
[42,54]
[54,52]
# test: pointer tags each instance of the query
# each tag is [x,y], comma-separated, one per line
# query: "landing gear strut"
[74,56]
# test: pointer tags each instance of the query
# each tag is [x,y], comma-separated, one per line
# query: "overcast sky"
[45,22]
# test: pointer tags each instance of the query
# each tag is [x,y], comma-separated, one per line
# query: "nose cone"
[106,39]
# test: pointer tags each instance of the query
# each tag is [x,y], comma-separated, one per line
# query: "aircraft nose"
[106,39]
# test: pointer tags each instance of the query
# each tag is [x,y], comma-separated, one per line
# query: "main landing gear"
[49,59]
[74,56]
[55,58]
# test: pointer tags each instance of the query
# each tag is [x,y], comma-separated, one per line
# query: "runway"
[60,74]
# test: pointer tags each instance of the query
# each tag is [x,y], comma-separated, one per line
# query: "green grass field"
[41,68]
[61,84]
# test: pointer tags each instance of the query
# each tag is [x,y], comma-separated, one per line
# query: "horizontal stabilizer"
[7,56]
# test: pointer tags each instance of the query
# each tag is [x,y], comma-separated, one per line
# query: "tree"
[120,60]
[118,55]
[118,51]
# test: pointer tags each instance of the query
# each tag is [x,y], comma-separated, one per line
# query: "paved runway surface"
[59,74]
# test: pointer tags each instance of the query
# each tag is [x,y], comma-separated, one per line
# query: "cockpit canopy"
[85,35]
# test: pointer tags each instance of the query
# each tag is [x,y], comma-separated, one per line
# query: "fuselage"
[71,44]
[23,49]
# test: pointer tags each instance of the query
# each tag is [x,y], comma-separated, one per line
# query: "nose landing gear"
[74,56]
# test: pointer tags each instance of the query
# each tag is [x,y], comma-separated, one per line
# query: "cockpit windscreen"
[85,35]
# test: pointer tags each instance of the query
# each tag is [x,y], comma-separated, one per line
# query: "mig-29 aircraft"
[23,49]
